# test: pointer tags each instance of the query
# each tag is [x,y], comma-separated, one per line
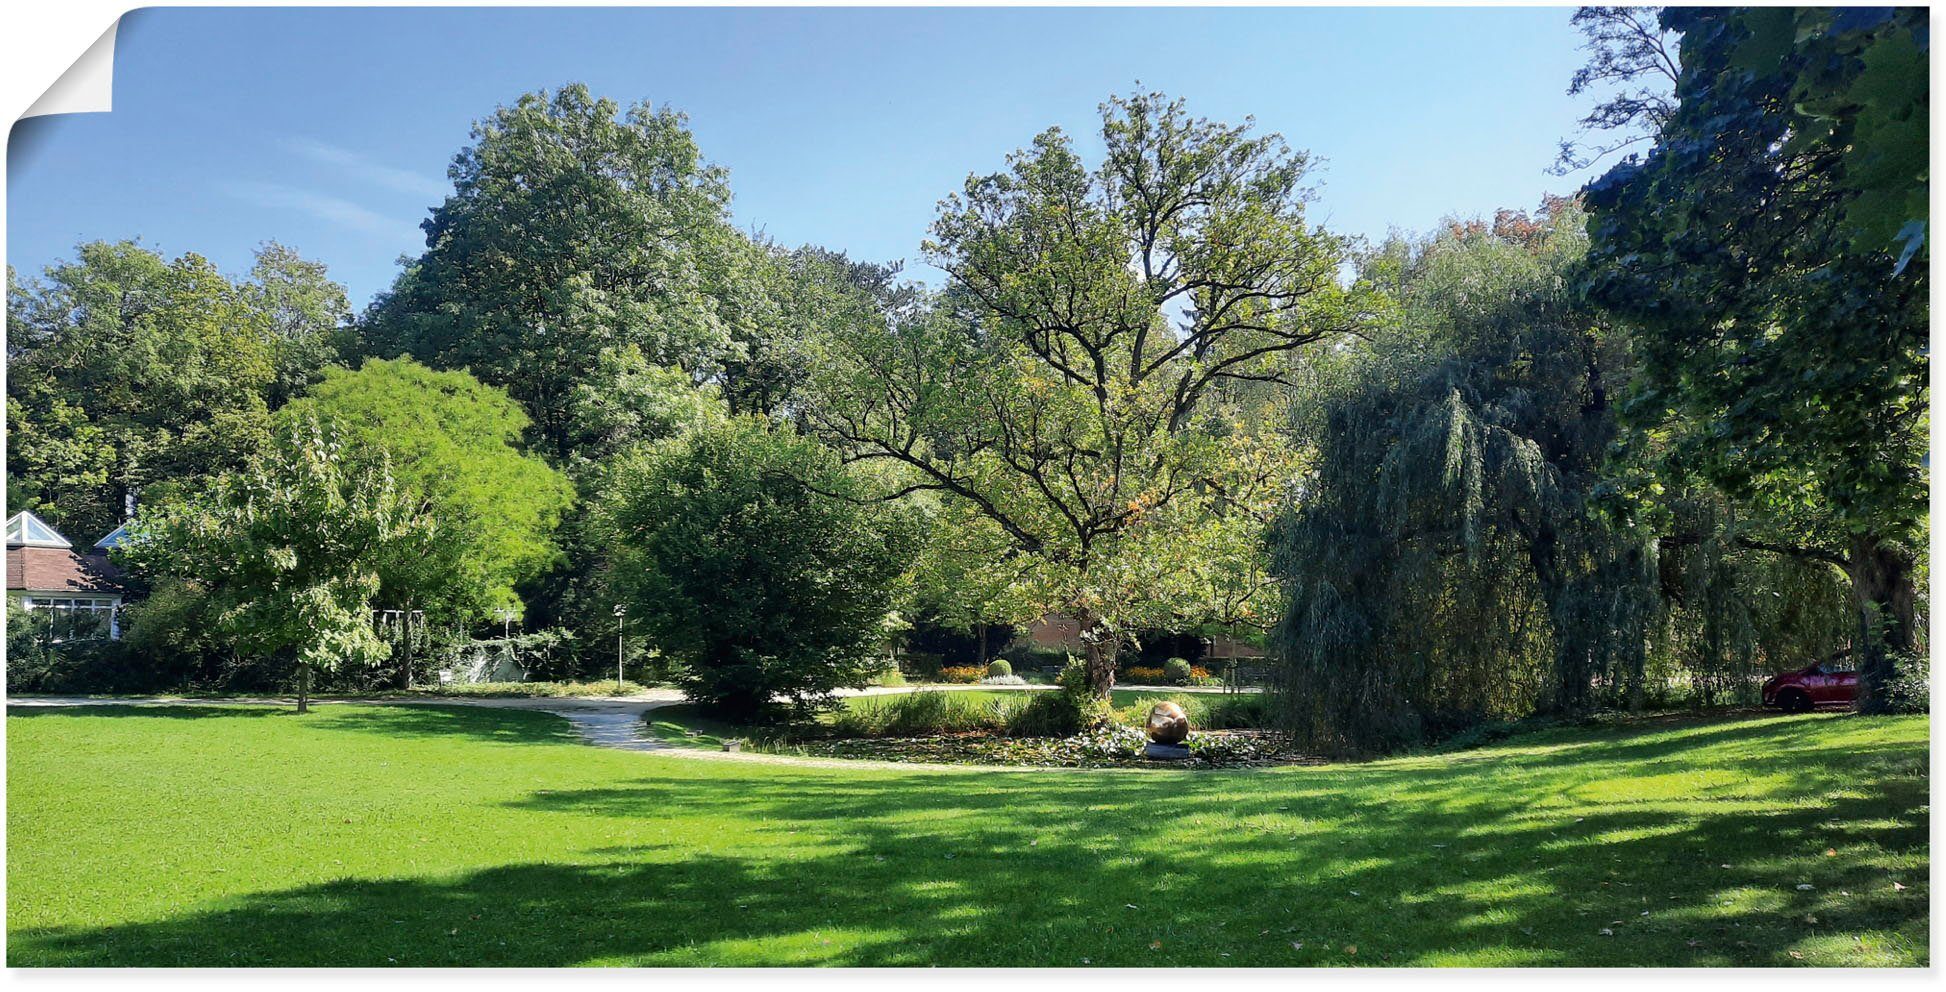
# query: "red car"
[1818,685]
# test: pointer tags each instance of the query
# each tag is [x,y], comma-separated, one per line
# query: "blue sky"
[330,129]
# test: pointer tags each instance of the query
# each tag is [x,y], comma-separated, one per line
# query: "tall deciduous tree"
[129,372]
[1082,384]
[1771,250]
[451,445]
[291,549]
[573,227]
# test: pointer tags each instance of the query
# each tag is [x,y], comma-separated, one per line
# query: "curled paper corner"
[88,87]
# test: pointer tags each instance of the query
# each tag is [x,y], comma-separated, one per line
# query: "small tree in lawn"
[291,550]
[738,548]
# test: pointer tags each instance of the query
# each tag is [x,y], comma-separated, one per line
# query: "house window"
[76,618]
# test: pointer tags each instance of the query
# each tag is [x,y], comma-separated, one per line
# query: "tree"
[307,317]
[1770,250]
[573,227]
[1473,544]
[450,444]
[1632,61]
[291,549]
[1091,381]
[131,374]
[742,557]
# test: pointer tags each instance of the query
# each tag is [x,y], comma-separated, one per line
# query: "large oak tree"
[1092,382]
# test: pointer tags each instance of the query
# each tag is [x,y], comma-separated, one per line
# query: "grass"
[457,835]
[491,690]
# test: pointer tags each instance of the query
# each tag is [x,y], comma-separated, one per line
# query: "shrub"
[1079,696]
[1177,671]
[1910,691]
[890,677]
[1045,714]
[921,713]
[999,669]
[741,559]
[962,674]
[1034,659]
[1241,711]
[1003,680]
[551,690]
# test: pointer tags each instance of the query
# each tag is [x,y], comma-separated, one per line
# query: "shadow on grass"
[431,720]
[1499,862]
[172,711]
[417,720]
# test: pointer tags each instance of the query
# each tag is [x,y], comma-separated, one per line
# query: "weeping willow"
[1465,548]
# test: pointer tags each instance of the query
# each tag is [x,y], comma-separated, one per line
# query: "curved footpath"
[614,721]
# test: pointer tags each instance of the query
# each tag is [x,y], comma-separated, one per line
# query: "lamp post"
[621,615]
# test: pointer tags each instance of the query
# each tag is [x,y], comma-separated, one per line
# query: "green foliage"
[572,227]
[128,373]
[1769,250]
[1088,398]
[1177,671]
[1910,691]
[922,713]
[293,549]
[1470,549]
[596,689]
[745,562]
[1078,704]
[999,669]
[1205,710]
[30,647]
[451,444]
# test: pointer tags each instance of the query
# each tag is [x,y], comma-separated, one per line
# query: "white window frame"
[78,603]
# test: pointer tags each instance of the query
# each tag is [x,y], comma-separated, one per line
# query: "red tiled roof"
[60,570]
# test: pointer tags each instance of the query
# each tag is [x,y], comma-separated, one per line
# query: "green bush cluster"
[999,669]
[921,713]
[1177,671]
[1206,711]
[1022,714]
[551,690]
[1910,691]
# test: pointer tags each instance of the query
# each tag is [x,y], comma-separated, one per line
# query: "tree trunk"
[1881,586]
[1101,647]
[983,644]
[303,687]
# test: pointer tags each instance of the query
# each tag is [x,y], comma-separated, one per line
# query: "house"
[44,572]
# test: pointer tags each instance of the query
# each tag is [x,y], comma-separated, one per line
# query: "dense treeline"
[1589,457]
[1667,448]
[1468,547]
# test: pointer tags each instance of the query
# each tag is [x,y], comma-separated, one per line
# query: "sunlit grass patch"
[464,836]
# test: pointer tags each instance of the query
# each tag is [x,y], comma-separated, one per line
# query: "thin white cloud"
[330,209]
[361,167]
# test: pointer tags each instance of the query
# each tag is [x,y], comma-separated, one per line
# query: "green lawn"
[455,835]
